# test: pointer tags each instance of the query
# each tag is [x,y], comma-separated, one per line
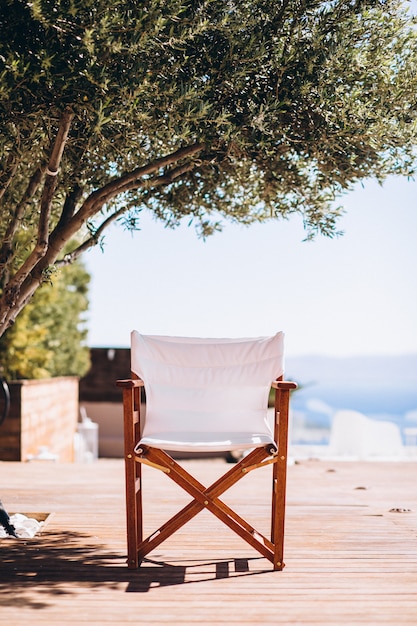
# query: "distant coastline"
[380,387]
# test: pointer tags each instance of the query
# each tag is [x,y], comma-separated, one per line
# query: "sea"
[382,388]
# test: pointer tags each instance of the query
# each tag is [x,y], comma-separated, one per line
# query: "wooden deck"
[349,558]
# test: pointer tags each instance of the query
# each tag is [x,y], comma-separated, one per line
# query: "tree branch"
[12,290]
[92,241]
[51,180]
[95,201]
[23,296]
[21,288]
[9,172]
[170,176]
[70,203]
[14,224]
[130,180]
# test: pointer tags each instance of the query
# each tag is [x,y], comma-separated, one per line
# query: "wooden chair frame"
[204,497]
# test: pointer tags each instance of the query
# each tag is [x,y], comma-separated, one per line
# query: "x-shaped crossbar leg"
[208,498]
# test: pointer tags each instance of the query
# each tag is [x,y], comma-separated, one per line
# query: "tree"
[198,109]
[49,337]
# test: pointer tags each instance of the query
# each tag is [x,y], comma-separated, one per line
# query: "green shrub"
[49,336]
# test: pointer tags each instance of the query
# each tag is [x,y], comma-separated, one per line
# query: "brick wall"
[42,413]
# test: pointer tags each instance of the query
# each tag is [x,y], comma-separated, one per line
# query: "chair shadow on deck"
[52,564]
[158,573]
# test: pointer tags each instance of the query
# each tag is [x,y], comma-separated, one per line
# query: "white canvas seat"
[205,395]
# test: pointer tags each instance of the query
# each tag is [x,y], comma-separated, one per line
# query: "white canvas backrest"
[206,385]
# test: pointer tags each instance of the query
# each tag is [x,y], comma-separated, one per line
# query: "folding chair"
[205,395]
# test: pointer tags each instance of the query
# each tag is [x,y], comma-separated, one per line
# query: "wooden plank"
[350,559]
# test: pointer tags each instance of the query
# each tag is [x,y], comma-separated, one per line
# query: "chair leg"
[207,498]
[278,512]
[133,475]
[280,476]
[134,523]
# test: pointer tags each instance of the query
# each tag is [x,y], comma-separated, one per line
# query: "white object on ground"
[354,434]
[86,439]
[25,526]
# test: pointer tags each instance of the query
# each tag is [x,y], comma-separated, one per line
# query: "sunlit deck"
[350,558]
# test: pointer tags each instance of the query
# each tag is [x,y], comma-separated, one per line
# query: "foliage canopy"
[206,109]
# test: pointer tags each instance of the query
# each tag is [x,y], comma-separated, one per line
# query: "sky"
[347,296]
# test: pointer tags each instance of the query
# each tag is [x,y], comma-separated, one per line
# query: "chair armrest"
[284,384]
[130,383]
